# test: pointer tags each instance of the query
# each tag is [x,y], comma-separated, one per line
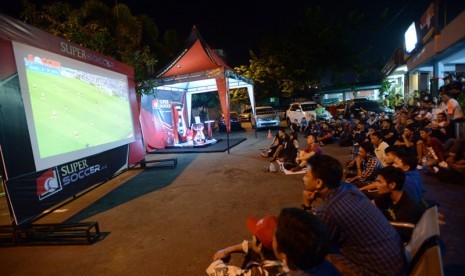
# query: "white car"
[304,109]
[265,116]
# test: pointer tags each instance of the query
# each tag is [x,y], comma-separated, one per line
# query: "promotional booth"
[165,114]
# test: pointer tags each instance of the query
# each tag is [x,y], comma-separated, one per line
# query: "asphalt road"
[172,221]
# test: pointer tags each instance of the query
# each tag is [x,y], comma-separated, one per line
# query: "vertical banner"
[34,193]
[427,24]
[163,119]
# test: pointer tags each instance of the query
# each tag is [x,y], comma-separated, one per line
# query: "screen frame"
[52,161]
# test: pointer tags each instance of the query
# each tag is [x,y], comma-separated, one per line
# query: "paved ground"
[171,221]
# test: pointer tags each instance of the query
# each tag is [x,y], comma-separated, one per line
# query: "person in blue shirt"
[413,184]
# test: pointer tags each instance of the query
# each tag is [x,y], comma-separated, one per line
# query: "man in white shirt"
[453,110]
[380,146]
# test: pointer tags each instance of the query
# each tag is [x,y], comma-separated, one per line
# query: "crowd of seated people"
[353,218]
[425,129]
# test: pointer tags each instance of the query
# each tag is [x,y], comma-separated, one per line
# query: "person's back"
[362,233]
[302,241]
[366,241]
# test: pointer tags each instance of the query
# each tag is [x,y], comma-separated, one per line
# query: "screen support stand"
[143,164]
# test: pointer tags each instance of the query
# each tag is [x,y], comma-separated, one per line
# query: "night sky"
[237,26]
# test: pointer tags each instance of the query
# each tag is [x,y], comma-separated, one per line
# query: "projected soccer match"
[73,109]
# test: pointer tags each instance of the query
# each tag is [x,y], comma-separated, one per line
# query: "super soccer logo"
[48,184]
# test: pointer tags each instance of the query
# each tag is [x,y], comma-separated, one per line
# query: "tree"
[205,101]
[321,45]
[114,32]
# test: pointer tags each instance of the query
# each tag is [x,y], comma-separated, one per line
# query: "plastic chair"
[428,261]
[422,250]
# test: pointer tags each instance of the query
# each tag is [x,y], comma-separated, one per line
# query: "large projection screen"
[73,109]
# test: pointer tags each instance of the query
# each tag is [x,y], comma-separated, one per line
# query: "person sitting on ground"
[295,126]
[437,131]
[453,169]
[424,116]
[441,118]
[359,134]
[388,132]
[276,146]
[311,149]
[339,128]
[366,164]
[429,150]
[371,130]
[395,204]
[380,146]
[325,136]
[301,241]
[365,241]
[303,125]
[391,154]
[291,148]
[372,120]
[413,184]
[259,256]
[407,139]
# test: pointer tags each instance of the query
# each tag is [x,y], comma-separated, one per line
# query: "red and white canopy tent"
[198,70]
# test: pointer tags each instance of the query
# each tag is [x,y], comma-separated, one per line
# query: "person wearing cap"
[364,241]
[301,241]
[259,256]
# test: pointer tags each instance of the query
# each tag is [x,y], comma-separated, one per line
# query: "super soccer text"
[81,53]
[157,103]
[77,170]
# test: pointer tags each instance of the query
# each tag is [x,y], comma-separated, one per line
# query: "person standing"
[453,110]
[364,240]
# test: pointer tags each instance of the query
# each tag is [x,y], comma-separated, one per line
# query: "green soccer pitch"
[70,114]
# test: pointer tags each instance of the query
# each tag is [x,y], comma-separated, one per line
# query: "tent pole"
[227,134]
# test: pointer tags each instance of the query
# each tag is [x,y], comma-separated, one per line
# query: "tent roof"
[196,68]
[197,56]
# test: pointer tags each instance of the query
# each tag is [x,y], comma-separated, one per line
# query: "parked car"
[362,105]
[265,116]
[304,109]
[246,115]
[234,119]
[281,110]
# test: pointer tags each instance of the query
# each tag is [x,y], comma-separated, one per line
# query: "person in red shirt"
[429,150]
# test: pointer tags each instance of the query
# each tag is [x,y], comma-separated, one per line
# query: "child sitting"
[303,125]
[259,256]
